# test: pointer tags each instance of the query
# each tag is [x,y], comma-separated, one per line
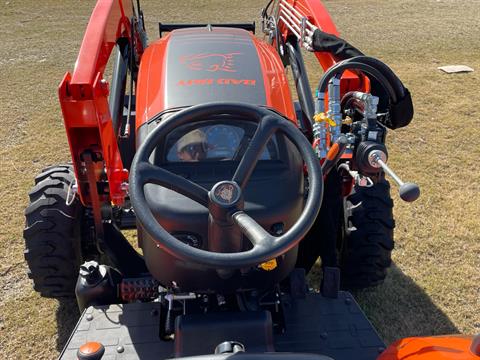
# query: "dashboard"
[217,141]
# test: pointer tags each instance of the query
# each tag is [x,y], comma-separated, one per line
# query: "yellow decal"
[269,265]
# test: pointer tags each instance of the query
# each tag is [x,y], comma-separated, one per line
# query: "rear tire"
[367,244]
[53,238]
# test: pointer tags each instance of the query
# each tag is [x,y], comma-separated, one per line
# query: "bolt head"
[376,155]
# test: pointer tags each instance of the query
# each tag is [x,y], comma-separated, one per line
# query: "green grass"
[433,287]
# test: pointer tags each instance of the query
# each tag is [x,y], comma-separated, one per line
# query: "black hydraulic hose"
[342,50]
[339,68]
[118,84]
[265,9]
[394,97]
[301,82]
[385,70]
[400,108]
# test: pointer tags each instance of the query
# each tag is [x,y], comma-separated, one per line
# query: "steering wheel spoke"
[265,129]
[152,174]
[257,235]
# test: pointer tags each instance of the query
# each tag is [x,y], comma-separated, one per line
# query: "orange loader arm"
[83,96]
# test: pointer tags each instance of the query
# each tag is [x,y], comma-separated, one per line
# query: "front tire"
[53,233]
[367,244]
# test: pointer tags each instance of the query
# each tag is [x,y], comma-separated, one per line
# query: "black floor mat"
[334,327]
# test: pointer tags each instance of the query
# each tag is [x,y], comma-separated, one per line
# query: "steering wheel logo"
[226,193]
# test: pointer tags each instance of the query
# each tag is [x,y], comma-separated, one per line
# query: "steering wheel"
[225,200]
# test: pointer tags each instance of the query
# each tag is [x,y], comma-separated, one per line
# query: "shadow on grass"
[399,308]
[67,317]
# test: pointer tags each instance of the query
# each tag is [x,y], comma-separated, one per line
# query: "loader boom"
[83,97]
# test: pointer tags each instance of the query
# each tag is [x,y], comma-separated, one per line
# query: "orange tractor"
[234,190]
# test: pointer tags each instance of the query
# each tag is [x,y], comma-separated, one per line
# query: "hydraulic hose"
[385,70]
[301,82]
[342,50]
[400,109]
[399,106]
[339,68]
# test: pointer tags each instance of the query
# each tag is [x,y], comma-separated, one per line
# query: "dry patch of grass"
[434,285]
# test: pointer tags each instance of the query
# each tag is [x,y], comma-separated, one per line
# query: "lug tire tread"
[368,237]
[52,233]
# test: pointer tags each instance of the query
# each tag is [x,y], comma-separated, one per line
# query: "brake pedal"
[330,282]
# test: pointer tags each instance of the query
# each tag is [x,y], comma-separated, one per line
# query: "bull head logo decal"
[210,62]
[226,193]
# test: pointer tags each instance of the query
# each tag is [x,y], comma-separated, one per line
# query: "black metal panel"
[212,65]
[132,327]
[333,327]
[170,27]
[202,333]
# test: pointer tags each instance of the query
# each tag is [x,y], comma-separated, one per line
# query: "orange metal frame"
[84,100]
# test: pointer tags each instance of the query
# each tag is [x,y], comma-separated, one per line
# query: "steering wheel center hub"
[226,193]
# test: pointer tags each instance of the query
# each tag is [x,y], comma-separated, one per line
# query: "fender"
[434,348]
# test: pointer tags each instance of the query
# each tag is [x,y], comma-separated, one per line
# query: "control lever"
[334,154]
[170,317]
[408,191]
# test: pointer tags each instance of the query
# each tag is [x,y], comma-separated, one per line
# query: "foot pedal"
[298,284]
[331,282]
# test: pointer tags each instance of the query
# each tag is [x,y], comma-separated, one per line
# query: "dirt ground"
[434,285]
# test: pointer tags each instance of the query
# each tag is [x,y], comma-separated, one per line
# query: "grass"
[433,287]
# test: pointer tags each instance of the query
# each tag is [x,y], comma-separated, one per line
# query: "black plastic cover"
[401,113]
[338,47]
[170,27]
[201,333]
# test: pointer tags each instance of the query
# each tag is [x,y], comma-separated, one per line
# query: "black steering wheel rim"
[265,246]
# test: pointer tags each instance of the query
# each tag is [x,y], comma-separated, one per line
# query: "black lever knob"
[409,192]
